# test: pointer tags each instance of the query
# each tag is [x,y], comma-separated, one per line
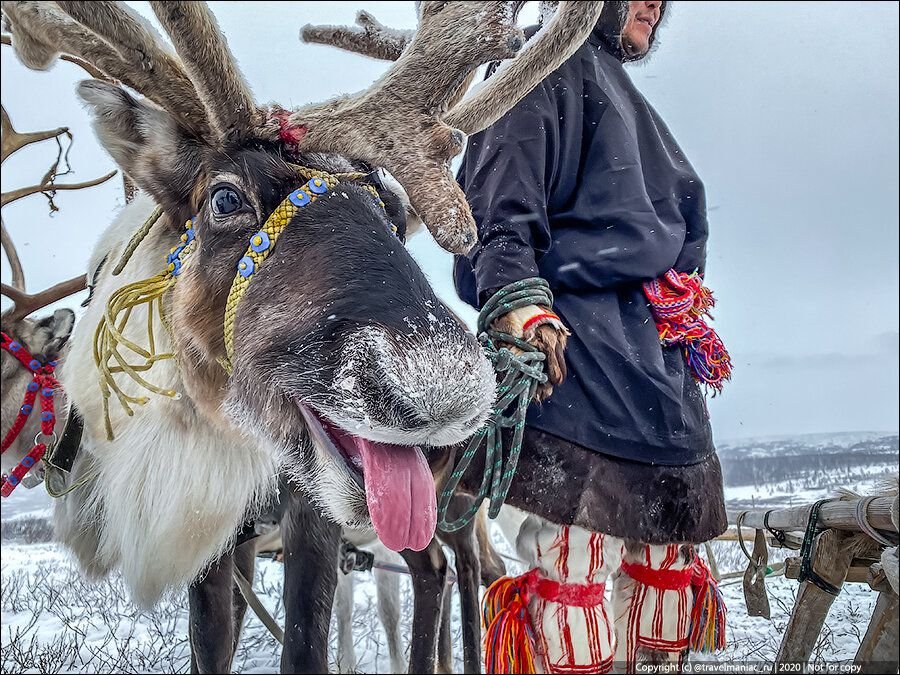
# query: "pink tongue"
[400,493]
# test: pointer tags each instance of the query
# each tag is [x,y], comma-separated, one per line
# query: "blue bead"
[246,266]
[35,364]
[46,416]
[263,244]
[190,235]
[176,267]
[26,409]
[299,198]
[28,462]
[52,364]
[33,386]
[47,392]
[14,346]
[317,186]
[13,480]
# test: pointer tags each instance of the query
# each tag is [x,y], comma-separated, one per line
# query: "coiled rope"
[523,371]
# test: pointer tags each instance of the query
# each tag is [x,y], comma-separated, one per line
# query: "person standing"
[583,185]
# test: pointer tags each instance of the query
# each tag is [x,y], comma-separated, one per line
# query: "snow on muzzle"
[394,397]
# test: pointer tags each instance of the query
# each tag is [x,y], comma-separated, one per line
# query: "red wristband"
[539,317]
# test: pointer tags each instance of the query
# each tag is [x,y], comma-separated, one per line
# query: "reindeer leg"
[244,560]
[310,575]
[343,614]
[210,624]
[445,642]
[468,572]
[428,569]
[387,585]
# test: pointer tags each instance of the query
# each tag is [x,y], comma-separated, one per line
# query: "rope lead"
[521,366]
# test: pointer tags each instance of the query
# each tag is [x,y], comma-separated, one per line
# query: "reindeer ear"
[147,143]
[55,329]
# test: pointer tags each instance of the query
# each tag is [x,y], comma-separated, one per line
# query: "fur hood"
[612,20]
[609,27]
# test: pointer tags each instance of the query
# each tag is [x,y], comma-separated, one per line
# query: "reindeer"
[330,353]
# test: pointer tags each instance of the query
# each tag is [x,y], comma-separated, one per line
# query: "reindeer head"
[339,353]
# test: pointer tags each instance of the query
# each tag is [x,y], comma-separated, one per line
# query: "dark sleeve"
[506,174]
[693,251]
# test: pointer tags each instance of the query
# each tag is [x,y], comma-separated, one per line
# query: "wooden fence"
[840,541]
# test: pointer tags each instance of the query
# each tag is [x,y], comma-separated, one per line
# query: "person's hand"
[542,329]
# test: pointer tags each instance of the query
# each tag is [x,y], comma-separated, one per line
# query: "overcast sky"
[789,112]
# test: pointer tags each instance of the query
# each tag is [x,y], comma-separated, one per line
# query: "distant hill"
[781,471]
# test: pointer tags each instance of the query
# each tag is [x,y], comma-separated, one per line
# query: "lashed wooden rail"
[836,514]
[833,560]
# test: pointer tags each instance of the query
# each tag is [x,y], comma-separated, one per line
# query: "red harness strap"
[43,384]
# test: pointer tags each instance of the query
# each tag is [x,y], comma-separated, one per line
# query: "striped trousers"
[642,623]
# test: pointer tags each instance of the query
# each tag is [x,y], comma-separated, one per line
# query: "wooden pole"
[837,514]
[878,650]
[830,560]
[857,574]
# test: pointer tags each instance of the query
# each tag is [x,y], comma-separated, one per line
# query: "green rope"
[522,373]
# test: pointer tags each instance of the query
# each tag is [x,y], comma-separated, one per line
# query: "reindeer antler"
[561,37]
[13,141]
[404,122]
[213,70]
[25,303]
[369,38]
[42,31]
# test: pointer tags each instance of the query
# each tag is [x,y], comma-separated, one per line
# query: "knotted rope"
[522,372]
[109,337]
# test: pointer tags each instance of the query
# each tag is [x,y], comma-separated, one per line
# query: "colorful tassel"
[509,636]
[707,632]
[680,302]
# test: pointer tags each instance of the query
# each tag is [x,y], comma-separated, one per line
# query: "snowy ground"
[54,621]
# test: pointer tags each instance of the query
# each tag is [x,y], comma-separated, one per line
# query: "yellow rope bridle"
[110,337]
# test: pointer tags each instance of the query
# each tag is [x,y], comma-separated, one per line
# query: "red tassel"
[509,637]
[680,302]
[708,615]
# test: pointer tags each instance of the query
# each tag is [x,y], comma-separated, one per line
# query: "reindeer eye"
[225,201]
